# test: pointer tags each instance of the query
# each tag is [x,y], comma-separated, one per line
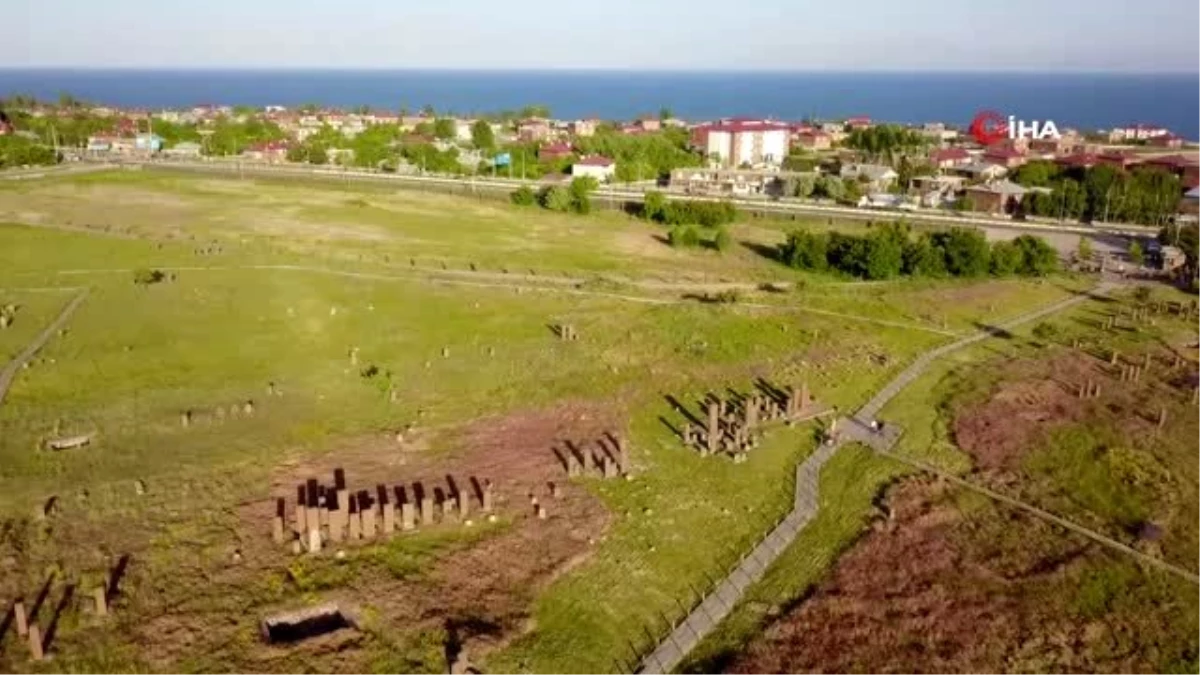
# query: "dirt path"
[10,371]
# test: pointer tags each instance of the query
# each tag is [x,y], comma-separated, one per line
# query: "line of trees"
[640,156]
[16,151]
[658,208]
[891,250]
[884,142]
[1106,193]
[573,198]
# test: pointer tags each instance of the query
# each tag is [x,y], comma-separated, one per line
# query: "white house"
[735,143]
[600,168]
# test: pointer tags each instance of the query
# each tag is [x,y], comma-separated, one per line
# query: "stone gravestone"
[337,515]
[608,470]
[427,510]
[464,504]
[389,511]
[572,464]
[355,528]
[623,454]
[487,496]
[20,618]
[407,517]
[101,598]
[713,433]
[366,512]
[35,643]
[300,521]
[277,521]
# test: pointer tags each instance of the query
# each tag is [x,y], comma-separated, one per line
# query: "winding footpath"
[719,603]
[13,367]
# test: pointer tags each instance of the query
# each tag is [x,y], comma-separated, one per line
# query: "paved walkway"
[10,371]
[672,650]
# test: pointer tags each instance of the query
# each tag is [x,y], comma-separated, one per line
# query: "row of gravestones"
[188,417]
[333,514]
[610,459]
[32,632]
[730,428]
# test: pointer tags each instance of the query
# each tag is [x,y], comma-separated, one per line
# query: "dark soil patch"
[941,589]
[478,589]
[1035,397]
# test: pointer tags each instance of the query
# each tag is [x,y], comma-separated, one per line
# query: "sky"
[866,35]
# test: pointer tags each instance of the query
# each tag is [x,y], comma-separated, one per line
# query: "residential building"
[877,177]
[533,130]
[935,190]
[583,127]
[269,151]
[600,168]
[1136,132]
[981,171]
[649,124]
[949,158]
[1083,160]
[555,151]
[1176,164]
[813,140]
[997,197]
[937,131]
[462,130]
[714,181]
[184,150]
[1006,157]
[99,144]
[743,143]
[1120,160]
[859,122]
[1168,141]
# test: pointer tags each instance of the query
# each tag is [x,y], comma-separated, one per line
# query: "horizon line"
[596,69]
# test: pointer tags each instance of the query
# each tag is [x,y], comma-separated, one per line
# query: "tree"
[581,189]
[805,250]
[1038,257]
[722,240]
[885,254]
[923,259]
[848,253]
[1136,255]
[653,205]
[804,186]
[665,113]
[318,155]
[684,236]
[444,128]
[523,196]
[1005,258]
[966,251]
[482,136]
[556,198]
[830,187]
[1187,239]
[1038,173]
[1084,250]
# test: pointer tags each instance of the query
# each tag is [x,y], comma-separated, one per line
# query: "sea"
[1079,100]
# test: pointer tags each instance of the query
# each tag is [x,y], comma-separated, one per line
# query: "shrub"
[805,251]
[145,277]
[1006,258]
[1045,331]
[722,241]
[684,236]
[523,196]
[555,198]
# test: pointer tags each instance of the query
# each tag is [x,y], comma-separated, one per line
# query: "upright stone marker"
[35,643]
[355,525]
[101,597]
[427,510]
[487,496]
[407,519]
[21,619]
[277,521]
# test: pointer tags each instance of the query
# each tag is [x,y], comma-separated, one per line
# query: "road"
[787,207]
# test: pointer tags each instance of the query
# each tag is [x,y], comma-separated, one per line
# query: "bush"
[684,236]
[805,250]
[523,196]
[1038,258]
[1006,258]
[555,198]
[722,241]
[1045,331]
[145,277]
[726,297]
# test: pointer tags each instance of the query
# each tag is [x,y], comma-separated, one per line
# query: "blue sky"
[1024,35]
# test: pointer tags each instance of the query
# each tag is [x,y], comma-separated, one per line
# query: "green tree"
[1038,173]
[1038,257]
[684,236]
[1005,259]
[722,239]
[1084,250]
[556,198]
[318,155]
[581,189]
[885,254]
[523,196]
[665,113]
[804,186]
[923,259]
[805,250]
[653,205]
[965,250]
[482,136]
[1136,255]
[444,128]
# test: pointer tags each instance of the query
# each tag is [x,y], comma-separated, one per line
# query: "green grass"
[135,357]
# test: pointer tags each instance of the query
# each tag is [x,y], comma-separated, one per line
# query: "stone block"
[20,618]
[35,643]
[389,518]
[407,517]
[427,511]
[100,594]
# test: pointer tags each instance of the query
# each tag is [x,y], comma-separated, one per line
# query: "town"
[1138,174]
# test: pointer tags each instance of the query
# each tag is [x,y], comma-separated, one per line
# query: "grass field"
[271,287]
[1105,468]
